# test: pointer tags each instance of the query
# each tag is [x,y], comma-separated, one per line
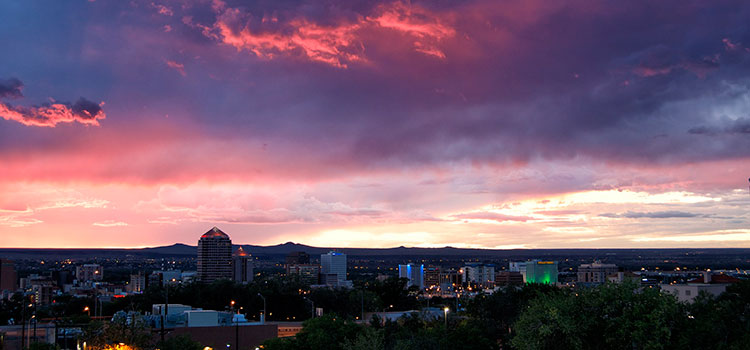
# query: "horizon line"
[372,248]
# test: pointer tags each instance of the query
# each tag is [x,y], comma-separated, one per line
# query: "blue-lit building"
[414,273]
[333,263]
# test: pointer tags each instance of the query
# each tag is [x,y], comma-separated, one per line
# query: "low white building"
[202,318]
[173,309]
[709,283]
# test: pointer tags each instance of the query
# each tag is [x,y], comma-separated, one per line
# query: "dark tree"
[611,316]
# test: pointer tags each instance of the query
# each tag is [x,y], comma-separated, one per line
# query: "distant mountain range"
[183,250]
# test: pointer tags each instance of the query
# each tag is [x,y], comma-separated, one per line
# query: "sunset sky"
[348,123]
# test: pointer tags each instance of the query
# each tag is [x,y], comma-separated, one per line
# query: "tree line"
[533,316]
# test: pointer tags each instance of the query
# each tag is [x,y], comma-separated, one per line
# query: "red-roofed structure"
[241,252]
[215,233]
[715,279]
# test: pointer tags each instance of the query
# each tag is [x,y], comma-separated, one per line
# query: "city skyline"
[375,124]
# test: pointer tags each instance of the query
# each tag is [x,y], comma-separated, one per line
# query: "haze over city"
[517,124]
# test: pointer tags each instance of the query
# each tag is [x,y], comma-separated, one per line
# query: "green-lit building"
[537,271]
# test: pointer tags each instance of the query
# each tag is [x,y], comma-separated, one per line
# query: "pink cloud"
[730,45]
[491,216]
[179,67]
[162,10]
[338,44]
[332,46]
[83,111]
[110,223]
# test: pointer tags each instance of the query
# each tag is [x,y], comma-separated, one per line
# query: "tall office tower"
[482,274]
[297,258]
[89,272]
[137,283]
[540,271]
[414,273]
[242,266]
[333,263]
[214,256]
[43,292]
[8,277]
[63,277]
[432,276]
[451,279]
[308,273]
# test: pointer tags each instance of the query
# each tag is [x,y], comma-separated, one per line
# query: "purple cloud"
[11,88]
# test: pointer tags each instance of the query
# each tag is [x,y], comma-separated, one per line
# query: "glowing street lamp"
[263,320]
[445,310]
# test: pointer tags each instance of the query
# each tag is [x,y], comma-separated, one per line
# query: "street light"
[87,311]
[445,310]
[236,326]
[363,304]
[263,319]
[23,325]
[166,308]
[33,318]
[312,307]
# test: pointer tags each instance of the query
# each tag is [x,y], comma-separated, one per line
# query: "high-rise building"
[540,271]
[333,263]
[137,283]
[89,273]
[414,273]
[62,277]
[214,256]
[432,276]
[242,266]
[482,274]
[451,279]
[596,272]
[507,278]
[43,292]
[297,258]
[8,277]
[308,273]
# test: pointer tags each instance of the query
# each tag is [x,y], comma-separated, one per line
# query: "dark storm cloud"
[11,88]
[86,109]
[739,126]
[549,86]
[399,84]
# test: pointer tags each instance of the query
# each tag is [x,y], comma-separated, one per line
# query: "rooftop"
[215,233]
[241,252]
[716,279]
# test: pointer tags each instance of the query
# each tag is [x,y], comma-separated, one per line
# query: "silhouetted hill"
[174,249]
[732,257]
